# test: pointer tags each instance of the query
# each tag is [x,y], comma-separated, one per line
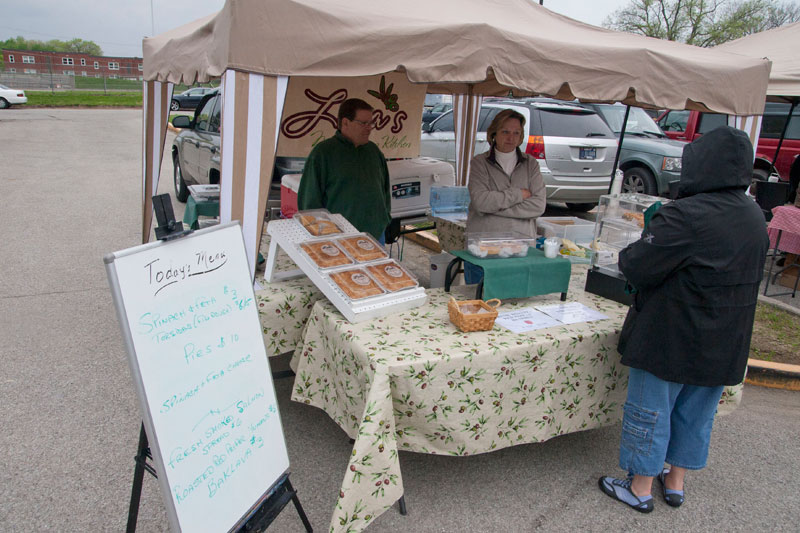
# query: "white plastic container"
[411,181]
[439,264]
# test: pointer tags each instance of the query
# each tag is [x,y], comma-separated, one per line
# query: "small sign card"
[571,313]
[525,319]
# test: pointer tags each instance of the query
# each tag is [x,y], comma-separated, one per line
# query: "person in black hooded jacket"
[696,269]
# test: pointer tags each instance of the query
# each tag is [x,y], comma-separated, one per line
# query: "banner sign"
[312,105]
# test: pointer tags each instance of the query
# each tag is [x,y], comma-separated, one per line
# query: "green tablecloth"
[520,277]
[195,209]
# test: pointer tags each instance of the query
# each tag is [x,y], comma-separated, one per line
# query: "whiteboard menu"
[190,323]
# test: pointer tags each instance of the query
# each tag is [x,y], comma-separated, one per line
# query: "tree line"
[702,22]
[78,46]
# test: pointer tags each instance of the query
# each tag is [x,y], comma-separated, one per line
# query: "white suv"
[574,146]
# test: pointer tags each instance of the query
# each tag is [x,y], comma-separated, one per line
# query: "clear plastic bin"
[620,221]
[573,228]
[499,244]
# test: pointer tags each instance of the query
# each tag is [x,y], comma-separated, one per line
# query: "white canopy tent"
[469,48]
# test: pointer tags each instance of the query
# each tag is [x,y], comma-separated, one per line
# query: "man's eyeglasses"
[370,124]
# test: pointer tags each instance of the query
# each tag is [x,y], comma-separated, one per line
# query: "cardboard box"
[788,277]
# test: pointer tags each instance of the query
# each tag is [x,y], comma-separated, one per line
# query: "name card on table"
[189,320]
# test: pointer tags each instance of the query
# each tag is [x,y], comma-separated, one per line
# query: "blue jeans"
[665,421]
[472,273]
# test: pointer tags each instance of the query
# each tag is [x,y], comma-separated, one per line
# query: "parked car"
[9,97]
[689,125]
[648,158]
[574,146]
[189,98]
[196,151]
[436,111]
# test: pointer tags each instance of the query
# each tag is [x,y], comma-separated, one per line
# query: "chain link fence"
[47,81]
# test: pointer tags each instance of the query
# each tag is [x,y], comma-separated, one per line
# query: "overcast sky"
[119,25]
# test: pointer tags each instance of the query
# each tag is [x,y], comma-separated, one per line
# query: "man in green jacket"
[347,173]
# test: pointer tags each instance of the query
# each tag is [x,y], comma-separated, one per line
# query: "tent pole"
[619,147]
[783,133]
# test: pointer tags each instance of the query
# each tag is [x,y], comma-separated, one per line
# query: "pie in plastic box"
[392,276]
[362,248]
[317,222]
[356,283]
[498,244]
[325,254]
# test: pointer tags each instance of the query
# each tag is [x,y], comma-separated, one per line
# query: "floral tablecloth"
[283,306]
[413,382]
[450,234]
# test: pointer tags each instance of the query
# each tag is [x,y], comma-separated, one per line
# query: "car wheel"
[639,180]
[181,191]
[759,174]
[174,105]
[4,103]
[582,208]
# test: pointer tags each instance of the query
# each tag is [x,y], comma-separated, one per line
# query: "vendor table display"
[350,268]
[519,277]
[413,382]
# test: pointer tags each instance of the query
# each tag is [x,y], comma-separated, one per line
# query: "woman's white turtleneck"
[507,160]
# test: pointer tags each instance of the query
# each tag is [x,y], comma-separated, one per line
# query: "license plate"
[588,153]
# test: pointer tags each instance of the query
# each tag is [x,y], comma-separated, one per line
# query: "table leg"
[401,503]
[563,296]
[453,268]
[771,279]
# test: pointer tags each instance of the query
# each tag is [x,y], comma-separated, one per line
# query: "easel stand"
[258,520]
[264,511]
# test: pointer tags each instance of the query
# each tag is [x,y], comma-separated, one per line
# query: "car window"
[711,121]
[638,119]
[444,123]
[213,125]
[674,121]
[487,116]
[775,118]
[204,116]
[572,123]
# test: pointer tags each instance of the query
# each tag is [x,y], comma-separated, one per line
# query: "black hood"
[720,159]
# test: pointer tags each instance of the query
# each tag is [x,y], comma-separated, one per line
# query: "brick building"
[72,64]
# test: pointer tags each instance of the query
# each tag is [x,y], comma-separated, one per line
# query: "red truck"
[689,125]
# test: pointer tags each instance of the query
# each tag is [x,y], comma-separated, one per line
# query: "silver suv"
[574,146]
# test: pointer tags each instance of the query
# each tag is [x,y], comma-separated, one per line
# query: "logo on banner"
[304,123]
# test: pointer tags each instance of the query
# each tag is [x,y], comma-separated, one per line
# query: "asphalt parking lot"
[71,188]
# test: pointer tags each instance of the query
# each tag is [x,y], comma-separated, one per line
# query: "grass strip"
[84,99]
[776,335]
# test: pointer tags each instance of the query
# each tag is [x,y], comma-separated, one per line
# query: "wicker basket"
[467,319]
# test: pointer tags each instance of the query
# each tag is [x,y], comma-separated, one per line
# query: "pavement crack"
[51,293]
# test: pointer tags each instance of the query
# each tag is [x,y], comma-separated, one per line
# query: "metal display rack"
[288,234]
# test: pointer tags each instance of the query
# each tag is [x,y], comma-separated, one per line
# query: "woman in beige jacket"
[506,188]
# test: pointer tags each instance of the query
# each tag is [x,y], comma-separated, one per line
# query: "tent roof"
[488,46]
[782,47]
